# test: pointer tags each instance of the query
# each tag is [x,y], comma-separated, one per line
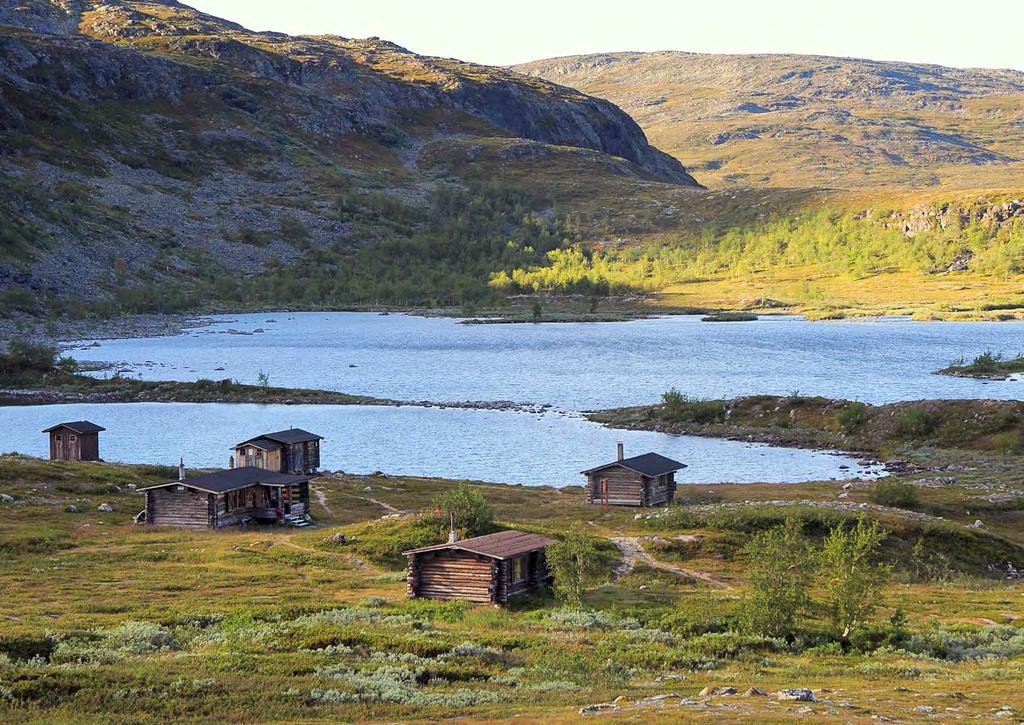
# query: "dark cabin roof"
[263,443]
[232,479]
[649,464]
[78,426]
[502,545]
[285,437]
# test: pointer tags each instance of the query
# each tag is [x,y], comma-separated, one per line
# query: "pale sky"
[975,33]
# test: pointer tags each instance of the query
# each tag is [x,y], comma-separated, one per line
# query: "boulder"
[798,694]
[755,692]
[717,691]
[6,498]
[72,509]
[105,507]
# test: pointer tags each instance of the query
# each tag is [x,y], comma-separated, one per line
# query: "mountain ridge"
[814,121]
[146,144]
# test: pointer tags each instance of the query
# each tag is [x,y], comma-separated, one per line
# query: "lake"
[488,445]
[576,366]
[572,366]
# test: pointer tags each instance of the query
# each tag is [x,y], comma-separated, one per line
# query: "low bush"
[897,494]
[852,416]
[916,423]
[680,408]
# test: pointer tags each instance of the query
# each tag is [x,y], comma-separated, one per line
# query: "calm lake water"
[533,449]
[571,366]
[576,366]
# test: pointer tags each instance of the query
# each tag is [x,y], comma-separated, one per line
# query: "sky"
[980,33]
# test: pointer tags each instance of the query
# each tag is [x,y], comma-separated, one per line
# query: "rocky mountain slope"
[148,142]
[813,121]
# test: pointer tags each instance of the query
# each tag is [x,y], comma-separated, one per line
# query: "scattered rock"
[670,678]
[978,524]
[755,692]
[924,708]
[338,538]
[717,691]
[656,699]
[599,708]
[72,509]
[799,694]
[132,487]
[6,498]
[105,507]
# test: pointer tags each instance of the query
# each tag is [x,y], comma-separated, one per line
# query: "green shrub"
[916,423]
[578,564]
[466,507]
[780,569]
[680,408]
[852,416]
[897,494]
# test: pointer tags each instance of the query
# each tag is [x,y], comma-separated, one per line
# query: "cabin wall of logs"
[453,574]
[186,508]
[456,574]
[617,486]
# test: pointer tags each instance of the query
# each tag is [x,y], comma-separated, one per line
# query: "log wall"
[188,509]
[452,574]
[625,487]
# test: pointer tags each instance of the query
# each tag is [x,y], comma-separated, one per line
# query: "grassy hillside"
[814,121]
[155,157]
[273,624]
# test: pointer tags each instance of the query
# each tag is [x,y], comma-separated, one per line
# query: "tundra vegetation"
[104,620]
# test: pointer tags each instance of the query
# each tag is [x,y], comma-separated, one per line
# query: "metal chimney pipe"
[621,451]
[231,461]
[453,536]
[181,469]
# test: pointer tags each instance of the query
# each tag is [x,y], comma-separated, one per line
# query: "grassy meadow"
[107,621]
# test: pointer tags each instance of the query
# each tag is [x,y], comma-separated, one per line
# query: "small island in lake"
[988,366]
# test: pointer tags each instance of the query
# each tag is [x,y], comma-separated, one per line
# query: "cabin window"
[57,437]
[71,438]
[519,569]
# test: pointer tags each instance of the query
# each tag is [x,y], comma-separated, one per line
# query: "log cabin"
[75,441]
[286,451]
[487,569]
[647,480]
[227,497]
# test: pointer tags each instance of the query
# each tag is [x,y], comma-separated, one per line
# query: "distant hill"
[813,121]
[146,144]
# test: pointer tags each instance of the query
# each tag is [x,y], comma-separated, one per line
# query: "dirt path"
[633,553]
[321,499]
[384,505]
[356,561]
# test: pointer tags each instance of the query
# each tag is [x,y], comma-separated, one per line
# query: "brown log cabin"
[647,480]
[486,569]
[75,441]
[286,451]
[226,498]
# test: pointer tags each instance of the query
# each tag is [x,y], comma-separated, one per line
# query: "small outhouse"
[75,441]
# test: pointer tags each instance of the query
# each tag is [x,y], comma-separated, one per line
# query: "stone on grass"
[755,692]
[105,507]
[717,691]
[6,498]
[799,694]
[72,509]
[599,708]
